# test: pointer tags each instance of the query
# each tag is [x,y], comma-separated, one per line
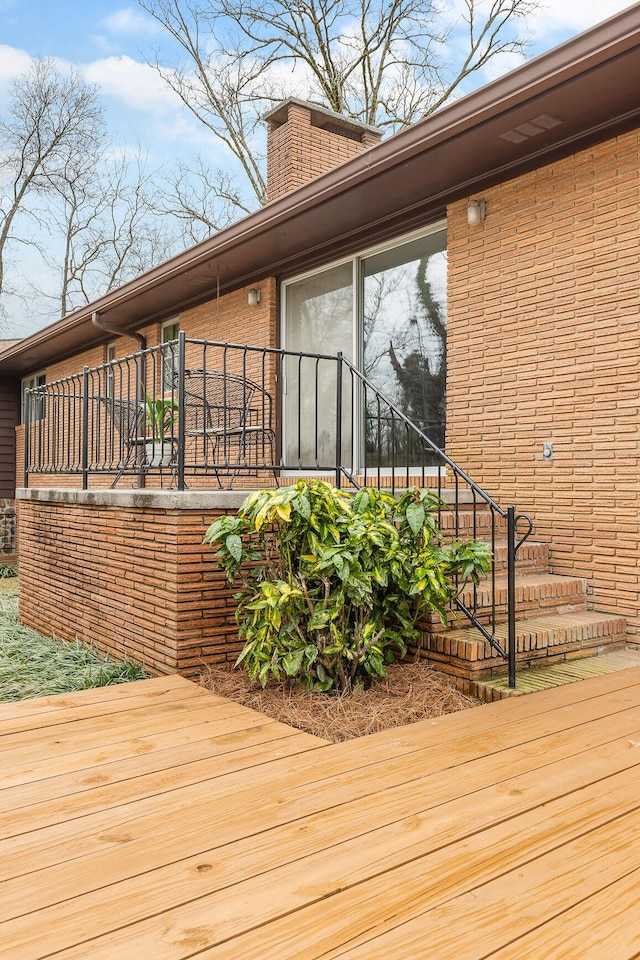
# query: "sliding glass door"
[388,309]
[404,341]
[319,319]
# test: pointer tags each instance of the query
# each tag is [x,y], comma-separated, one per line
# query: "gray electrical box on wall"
[547,451]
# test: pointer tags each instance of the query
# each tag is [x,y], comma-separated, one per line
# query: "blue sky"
[107,41]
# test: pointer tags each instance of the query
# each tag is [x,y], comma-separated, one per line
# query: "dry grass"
[34,666]
[412,691]
[9,585]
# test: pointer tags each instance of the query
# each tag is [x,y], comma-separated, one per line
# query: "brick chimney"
[304,141]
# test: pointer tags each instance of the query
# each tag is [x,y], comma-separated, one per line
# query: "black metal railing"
[187,410]
[471,512]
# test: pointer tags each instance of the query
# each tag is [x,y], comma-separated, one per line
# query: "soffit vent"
[532,128]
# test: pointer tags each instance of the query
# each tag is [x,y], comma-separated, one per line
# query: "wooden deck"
[155,820]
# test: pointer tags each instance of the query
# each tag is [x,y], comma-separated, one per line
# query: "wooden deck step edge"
[535,679]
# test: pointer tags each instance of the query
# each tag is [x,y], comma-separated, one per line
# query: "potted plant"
[160,415]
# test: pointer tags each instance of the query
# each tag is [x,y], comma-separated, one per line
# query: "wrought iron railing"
[470,510]
[188,410]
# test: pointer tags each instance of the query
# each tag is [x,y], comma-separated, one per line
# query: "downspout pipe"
[141,379]
[97,321]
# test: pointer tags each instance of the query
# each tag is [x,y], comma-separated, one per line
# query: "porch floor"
[156,819]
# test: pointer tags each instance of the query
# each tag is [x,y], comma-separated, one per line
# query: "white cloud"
[107,44]
[135,84]
[552,23]
[184,129]
[130,22]
[570,17]
[13,62]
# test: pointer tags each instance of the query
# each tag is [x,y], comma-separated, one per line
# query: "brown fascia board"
[415,173]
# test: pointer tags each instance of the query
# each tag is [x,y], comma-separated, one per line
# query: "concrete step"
[557,674]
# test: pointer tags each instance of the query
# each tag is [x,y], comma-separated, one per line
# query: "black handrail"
[508,514]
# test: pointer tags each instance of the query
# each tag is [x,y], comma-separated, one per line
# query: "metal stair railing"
[402,454]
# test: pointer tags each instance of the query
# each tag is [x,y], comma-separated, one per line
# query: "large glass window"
[404,332]
[110,375]
[169,337]
[319,320]
[36,404]
[396,314]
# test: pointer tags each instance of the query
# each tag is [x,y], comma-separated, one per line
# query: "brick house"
[513,217]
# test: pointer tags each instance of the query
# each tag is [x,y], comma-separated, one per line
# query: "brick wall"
[128,574]
[298,149]
[233,319]
[229,319]
[544,345]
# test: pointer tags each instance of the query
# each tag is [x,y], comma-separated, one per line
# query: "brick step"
[533,557]
[536,594]
[570,671]
[464,654]
[463,496]
[467,522]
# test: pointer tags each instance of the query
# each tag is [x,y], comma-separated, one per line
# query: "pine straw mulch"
[412,691]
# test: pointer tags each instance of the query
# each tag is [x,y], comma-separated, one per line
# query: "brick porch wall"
[128,573]
[544,345]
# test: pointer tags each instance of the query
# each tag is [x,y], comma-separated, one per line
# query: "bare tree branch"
[222,87]
[201,201]
[384,62]
[50,118]
[106,215]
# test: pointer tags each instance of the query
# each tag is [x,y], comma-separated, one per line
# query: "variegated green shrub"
[332,584]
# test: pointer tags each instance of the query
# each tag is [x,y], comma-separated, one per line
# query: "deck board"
[462,837]
[93,701]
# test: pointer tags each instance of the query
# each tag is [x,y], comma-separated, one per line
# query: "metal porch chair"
[128,421]
[228,420]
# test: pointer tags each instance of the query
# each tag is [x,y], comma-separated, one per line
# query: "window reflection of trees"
[405,350]
[401,300]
